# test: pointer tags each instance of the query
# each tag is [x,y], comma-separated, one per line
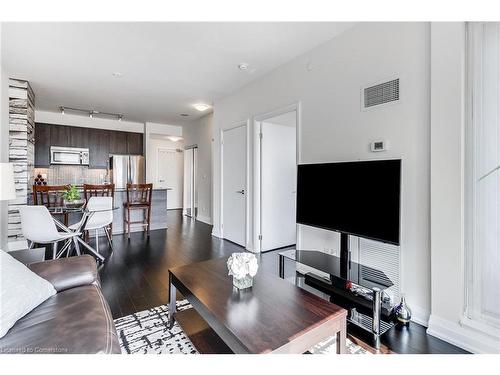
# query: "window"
[482,174]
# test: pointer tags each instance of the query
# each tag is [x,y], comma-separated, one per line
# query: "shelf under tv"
[360,310]
[355,287]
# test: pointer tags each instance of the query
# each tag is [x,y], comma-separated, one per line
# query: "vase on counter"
[402,312]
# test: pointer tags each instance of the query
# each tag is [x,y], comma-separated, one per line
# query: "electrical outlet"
[328,250]
[331,251]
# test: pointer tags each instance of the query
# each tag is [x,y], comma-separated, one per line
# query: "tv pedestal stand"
[355,287]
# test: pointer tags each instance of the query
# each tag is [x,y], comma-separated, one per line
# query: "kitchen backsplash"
[70,174]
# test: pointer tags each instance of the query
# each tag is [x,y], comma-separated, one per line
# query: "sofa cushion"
[76,320]
[67,273]
[21,290]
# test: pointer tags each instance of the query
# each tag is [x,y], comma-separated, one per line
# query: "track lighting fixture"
[91,113]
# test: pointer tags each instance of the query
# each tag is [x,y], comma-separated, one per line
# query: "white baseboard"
[249,247]
[17,245]
[216,232]
[420,315]
[204,219]
[464,337]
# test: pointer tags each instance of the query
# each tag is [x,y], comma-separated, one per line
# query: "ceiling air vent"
[381,94]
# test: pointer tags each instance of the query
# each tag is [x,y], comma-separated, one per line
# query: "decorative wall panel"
[21,148]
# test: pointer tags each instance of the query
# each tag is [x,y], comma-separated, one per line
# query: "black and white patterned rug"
[147,332]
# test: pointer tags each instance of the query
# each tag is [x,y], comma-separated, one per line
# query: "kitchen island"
[158,211]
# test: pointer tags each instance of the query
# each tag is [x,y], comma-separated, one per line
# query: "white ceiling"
[166,67]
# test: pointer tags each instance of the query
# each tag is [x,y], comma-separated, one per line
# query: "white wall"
[327,81]
[200,132]
[164,129]
[71,119]
[152,130]
[174,199]
[4,141]
[447,191]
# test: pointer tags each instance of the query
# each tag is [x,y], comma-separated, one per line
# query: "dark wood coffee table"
[272,316]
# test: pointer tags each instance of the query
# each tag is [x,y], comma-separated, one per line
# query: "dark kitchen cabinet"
[42,145]
[100,143]
[134,143]
[118,143]
[99,148]
[79,137]
[60,135]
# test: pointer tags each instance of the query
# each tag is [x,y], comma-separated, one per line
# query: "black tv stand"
[345,254]
[355,287]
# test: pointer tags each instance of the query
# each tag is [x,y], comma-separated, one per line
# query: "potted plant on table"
[72,198]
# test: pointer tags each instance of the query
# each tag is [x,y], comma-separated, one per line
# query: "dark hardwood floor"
[136,278]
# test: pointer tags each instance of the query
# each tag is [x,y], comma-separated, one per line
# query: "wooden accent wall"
[21,148]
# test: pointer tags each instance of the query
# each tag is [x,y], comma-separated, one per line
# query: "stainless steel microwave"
[69,155]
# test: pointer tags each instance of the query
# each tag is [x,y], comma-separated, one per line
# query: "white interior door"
[190,182]
[169,174]
[278,185]
[234,174]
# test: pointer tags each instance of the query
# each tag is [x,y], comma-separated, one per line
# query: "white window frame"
[473,316]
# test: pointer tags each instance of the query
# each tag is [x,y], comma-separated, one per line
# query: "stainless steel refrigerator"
[127,169]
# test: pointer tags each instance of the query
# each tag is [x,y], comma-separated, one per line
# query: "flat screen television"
[360,198]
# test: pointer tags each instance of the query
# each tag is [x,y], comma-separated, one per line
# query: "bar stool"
[138,198]
[50,196]
[105,190]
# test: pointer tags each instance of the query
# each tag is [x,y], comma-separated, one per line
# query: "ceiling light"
[243,66]
[201,107]
[62,110]
[174,138]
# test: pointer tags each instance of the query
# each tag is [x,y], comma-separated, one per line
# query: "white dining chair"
[101,209]
[38,226]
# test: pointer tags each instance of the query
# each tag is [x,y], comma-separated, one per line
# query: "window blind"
[383,257]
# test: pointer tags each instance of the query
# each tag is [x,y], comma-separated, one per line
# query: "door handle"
[242,191]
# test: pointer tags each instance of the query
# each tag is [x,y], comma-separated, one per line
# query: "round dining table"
[79,227]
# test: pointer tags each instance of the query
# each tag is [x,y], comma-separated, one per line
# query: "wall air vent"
[382,93]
